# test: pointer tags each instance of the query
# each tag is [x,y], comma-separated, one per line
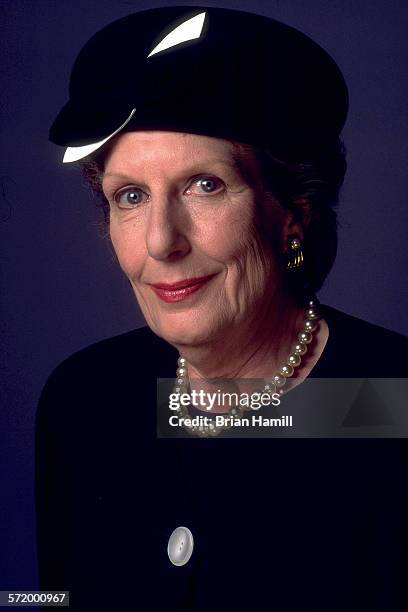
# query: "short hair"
[311,186]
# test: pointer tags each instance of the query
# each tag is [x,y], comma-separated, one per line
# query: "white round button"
[180,546]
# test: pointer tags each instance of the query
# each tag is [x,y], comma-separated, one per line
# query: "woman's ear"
[296,221]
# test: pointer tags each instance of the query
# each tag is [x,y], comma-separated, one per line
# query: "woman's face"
[185,207]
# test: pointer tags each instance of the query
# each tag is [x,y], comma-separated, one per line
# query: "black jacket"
[311,525]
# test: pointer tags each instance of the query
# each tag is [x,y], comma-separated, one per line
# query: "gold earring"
[295,255]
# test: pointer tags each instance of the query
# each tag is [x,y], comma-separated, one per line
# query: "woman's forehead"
[179,148]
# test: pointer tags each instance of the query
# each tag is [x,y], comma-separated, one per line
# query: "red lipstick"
[176,292]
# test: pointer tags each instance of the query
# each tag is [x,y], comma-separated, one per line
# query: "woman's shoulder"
[105,382]
[133,354]
[342,322]
[141,342]
[359,348]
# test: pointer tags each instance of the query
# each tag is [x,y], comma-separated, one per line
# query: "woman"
[212,137]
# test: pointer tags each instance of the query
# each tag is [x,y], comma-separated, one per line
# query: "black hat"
[211,71]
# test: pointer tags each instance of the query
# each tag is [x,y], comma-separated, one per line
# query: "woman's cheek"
[226,236]
[129,249]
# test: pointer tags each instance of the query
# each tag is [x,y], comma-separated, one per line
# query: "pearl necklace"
[275,384]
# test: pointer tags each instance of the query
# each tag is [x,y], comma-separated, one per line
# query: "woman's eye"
[206,184]
[129,197]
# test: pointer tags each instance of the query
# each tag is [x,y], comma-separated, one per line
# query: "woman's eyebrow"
[196,167]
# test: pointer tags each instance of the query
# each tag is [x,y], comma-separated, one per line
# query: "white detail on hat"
[73,154]
[188,30]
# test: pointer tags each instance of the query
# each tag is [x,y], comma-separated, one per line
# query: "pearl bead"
[269,388]
[181,382]
[305,337]
[182,362]
[294,360]
[313,303]
[286,371]
[181,372]
[311,313]
[309,325]
[279,381]
[300,348]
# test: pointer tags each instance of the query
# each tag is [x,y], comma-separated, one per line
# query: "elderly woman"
[212,138]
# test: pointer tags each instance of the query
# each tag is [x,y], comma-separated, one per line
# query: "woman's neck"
[255,349]
[253,356]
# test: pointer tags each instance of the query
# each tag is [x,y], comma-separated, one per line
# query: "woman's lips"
[179,291]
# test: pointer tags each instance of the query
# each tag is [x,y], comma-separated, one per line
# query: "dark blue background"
[62,288]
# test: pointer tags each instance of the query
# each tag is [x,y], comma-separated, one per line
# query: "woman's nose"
[166,231]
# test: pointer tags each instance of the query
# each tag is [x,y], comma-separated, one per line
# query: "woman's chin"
[184,333]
